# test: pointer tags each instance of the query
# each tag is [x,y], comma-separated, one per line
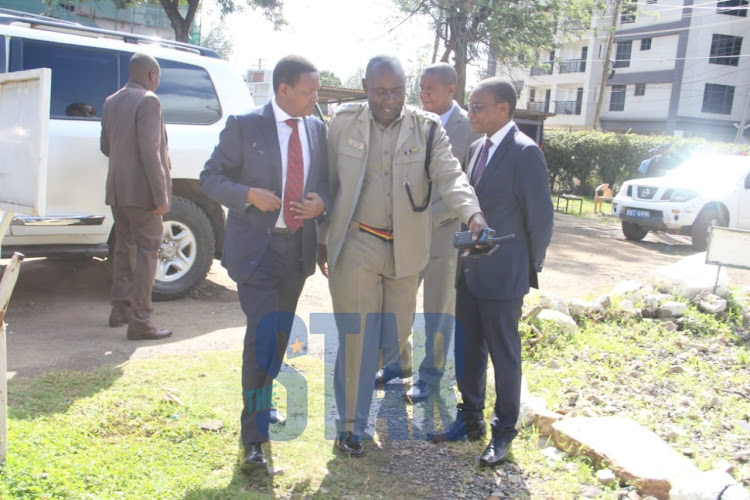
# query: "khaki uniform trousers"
[363,282]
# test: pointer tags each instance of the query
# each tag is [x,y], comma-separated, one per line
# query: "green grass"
[112,433]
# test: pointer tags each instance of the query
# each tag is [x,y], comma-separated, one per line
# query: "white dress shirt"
[285,133]
[496,139]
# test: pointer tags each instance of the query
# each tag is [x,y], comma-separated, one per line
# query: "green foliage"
[503,30]
[328,78]
[581,160]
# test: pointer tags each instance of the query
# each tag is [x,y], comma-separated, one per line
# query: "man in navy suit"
[271,170]
[509,174]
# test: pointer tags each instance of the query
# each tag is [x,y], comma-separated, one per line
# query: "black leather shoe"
[253,456]
[473,429]
[350,445]
[495,453]
[152,333]
[389,373]
[276,417]
[420,391]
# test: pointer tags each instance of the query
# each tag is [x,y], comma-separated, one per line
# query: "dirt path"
[58,315]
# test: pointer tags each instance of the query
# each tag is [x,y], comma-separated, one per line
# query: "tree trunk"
[180,25]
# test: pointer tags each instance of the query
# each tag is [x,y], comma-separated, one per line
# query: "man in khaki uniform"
[378,239]
[139,190]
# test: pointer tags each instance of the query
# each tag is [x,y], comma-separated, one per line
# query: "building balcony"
[538,106]
[573,66]
[567,108]
[545,69]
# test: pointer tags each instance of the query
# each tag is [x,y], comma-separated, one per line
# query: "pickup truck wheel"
[633,232]
[708,218]
[186,253]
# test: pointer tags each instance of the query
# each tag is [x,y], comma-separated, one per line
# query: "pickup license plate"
[637,213]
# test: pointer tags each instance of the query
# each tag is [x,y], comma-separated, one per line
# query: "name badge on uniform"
[412,150]
[356,144]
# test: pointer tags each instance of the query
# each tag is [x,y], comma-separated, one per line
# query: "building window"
[732,7]
[645,44]
[718,99]
[628,12]
[622,54]
[725,49]
[640,89]
[617,98]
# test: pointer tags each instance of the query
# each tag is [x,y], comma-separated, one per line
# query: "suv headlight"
[680,195]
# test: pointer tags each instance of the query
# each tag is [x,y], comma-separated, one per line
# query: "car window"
[82,77]
[186,92]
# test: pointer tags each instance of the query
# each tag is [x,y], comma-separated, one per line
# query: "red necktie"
[295,177]
[482,163]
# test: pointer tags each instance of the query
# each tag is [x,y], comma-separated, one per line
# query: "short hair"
[391,61]
[289,69]
[502,90]
[444,71]
[141,63]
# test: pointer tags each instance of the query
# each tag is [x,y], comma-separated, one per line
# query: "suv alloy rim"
[177,253]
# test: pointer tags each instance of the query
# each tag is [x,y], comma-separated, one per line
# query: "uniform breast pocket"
[414,178]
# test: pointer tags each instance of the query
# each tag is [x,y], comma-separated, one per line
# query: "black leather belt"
[281,231]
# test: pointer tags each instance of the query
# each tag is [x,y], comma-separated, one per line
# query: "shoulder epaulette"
[351,107]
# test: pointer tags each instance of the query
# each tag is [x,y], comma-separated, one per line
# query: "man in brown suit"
[139,190]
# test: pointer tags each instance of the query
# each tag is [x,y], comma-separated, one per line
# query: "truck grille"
[647,192]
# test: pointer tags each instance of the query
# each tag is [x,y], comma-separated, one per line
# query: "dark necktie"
[295,177]
[482,163]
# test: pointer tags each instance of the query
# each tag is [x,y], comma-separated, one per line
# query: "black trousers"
[489,328]
[269,300]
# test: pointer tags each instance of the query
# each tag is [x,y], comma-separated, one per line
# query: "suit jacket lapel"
[271,138]
[312,140]
[497,156]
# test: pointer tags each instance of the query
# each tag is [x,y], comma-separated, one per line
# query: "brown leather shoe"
[150,332]
[119,317]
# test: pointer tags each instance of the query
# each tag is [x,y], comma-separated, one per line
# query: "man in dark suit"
[139,190]
[509,173]
[270,170]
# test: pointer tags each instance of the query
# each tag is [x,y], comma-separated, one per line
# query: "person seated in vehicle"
[80,109]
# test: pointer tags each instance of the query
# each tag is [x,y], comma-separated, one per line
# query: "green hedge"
[579,161]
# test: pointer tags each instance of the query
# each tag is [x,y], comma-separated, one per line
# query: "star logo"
[296,347]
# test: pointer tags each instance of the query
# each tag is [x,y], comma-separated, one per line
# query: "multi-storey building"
[142,18]
[677,67]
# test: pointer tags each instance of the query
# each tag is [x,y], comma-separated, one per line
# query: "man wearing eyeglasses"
[509,174]
[379,235]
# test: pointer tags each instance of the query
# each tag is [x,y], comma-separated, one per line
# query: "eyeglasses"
[476,108]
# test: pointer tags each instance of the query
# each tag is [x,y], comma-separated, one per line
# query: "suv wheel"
[186,253]
[708,218]
[633,232]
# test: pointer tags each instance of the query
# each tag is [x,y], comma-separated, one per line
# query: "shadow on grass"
[248,483]
[55,392]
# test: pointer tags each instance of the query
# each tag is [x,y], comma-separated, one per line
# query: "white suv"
[198,92]
[707,190]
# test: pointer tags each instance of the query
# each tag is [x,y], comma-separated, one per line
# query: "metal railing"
[538,106]
[573,66]
[545,69]
[567,108]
